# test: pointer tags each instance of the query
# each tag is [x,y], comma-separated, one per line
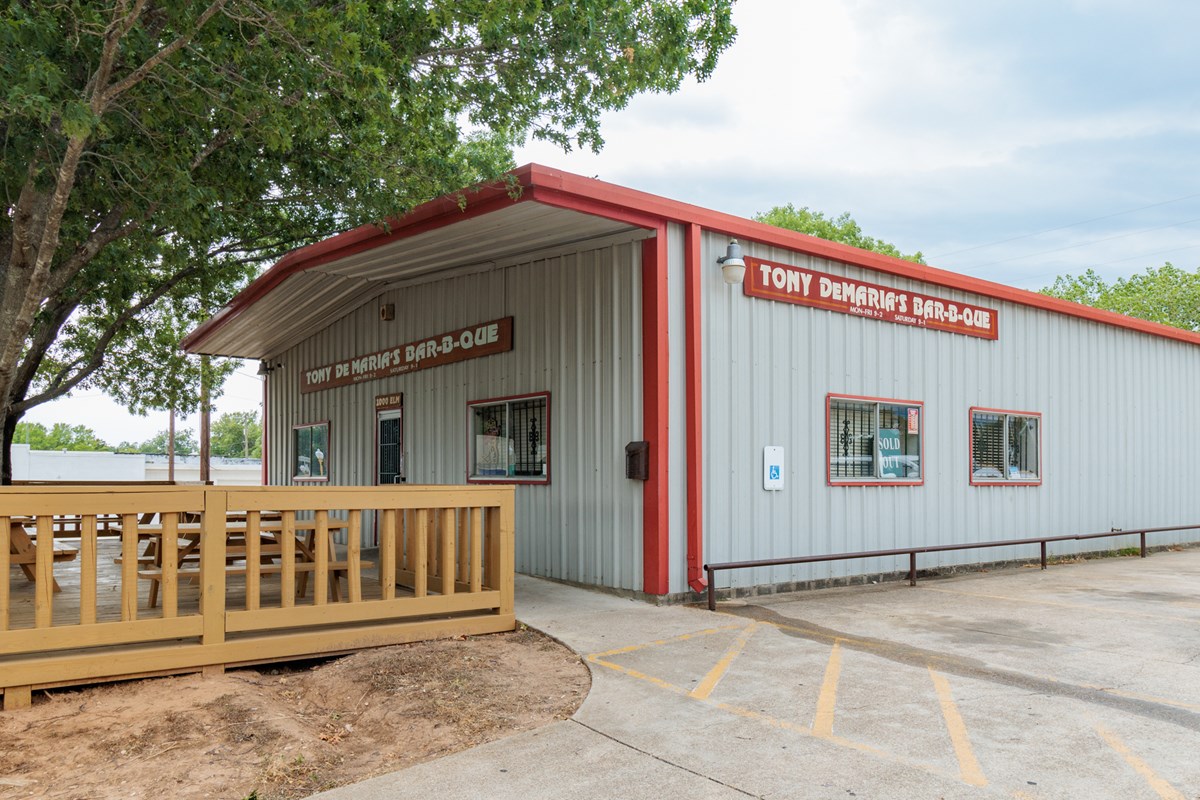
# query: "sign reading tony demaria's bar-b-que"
[484,339]
[808,287]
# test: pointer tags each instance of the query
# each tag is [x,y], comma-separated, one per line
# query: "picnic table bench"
[22,550]
[270,548]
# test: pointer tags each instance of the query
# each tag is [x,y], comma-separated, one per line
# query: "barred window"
[874,440]
[509,439]
[1005,447]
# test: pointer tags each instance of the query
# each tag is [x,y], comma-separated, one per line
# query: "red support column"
[656,527]
[694,434]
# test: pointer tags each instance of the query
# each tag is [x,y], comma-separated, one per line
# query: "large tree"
[1165,294]
[158,444]
[154,153]
[237,434]
[841,228]
[60,436]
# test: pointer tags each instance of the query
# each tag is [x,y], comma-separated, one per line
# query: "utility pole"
[205,432]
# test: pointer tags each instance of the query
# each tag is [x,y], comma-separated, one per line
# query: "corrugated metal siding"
[1117,429]
[577,335]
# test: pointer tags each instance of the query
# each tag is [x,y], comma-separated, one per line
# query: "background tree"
[834,229]
[1165,294]
[60,436]
[185,444]
[155,153]
[237,434]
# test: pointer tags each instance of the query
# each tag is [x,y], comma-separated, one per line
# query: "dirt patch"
[286,731]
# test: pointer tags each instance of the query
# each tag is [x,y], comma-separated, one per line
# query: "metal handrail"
[912,552]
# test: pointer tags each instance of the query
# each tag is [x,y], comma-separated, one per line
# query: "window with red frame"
[873,441]
[509,439]
[1005,447]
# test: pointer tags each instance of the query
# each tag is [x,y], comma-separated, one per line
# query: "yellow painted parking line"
[968,765]
[681,638]
[840,741]
[633,673]
[1058,604]
[1161,787]
[827,702]
[831,685]
[705,687]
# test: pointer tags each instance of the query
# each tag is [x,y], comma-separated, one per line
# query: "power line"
[1081,244]
[1064,227]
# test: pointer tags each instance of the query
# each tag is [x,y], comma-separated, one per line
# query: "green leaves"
[836,229]
[219,142]
[1165,294]
[60,436]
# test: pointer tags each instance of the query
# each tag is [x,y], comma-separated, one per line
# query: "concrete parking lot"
[1080,681]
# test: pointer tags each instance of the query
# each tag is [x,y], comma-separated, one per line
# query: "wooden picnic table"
[270,548]
[22,549]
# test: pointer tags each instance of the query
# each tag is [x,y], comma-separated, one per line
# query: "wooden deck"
[243,589]
[66,605]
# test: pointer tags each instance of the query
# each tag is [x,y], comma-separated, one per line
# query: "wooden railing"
[100,583]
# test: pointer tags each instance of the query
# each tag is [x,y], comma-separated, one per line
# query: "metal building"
[580,341]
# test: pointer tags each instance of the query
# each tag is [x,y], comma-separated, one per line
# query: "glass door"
[389,438]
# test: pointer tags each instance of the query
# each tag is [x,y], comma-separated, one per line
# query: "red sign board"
[485,339]
[806,287]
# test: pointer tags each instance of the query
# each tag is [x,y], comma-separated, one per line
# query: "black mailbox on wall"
[637,461]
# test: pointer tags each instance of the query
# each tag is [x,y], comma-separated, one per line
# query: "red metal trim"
[971,447]
[640,208]
[694,432]
[594,207]
[829,480]
[328,456]
[514,480]
[656,521]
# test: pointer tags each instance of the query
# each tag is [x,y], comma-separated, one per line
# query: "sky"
[1014,141]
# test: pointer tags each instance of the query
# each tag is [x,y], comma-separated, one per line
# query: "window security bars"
[873,440]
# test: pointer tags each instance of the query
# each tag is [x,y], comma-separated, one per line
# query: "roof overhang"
[534,209]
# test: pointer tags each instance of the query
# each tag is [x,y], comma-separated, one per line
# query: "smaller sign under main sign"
[806,287]
[484,339]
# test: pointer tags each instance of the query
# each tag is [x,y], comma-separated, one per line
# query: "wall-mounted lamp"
[387,312]
[266,367]
[733,268]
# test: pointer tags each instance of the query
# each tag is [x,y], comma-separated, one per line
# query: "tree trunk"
[9,426]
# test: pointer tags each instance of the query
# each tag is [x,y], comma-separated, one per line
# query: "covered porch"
[110,582]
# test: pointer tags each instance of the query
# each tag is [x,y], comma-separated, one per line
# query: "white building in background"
[74,465]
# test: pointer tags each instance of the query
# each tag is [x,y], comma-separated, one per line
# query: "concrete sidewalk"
[1082,681]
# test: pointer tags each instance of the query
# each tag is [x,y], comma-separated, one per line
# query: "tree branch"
[62,383]
[139,74]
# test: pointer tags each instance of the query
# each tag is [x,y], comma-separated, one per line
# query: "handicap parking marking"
[722,667]
[709,682]
[603,659]
[822,725]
